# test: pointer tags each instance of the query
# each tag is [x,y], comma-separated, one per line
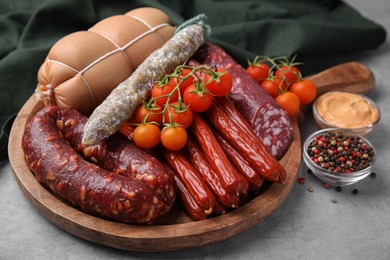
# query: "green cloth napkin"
[244,28]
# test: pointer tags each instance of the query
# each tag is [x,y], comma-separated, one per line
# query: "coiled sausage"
[94,190]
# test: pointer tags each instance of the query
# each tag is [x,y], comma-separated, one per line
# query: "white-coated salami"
[121,103]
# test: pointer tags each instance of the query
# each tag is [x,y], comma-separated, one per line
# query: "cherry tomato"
[274,86]
[305,89]
[174,138]
[197,98]
[290,102]
[179,75]
[219,83]
[146,136]
[290,73]
[180,114]
[258,72]
[160,93]
[153,114]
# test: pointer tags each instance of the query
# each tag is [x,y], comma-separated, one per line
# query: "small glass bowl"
[337,178]
[361,130]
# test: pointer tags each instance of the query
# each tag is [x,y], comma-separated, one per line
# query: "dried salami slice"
[270,122]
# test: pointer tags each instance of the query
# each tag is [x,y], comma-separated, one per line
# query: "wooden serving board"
[176,230]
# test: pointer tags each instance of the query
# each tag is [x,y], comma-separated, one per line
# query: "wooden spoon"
[352,76]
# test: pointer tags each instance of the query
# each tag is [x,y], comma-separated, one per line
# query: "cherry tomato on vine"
[174,137]
[258,72]
[274,86]
[161,92]
[305,89]
[290,73]
[179,75]
[197,98]
[180,114]
[146,135]
[290,102]
[152,112]
[219,83]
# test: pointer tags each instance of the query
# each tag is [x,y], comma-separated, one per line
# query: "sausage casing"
[196,157]
[87,186]
[231,181]
[253,150]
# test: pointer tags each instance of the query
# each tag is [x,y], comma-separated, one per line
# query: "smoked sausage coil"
[270,122]
[119,155]
[231,181]
[87,186]
[197,159]
[253,150]
[191,179]
[242,165]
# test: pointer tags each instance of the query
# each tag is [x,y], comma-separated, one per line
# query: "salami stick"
[121,103]
[189,202]
[196,157]
[242,165]
[230,109]
[195,185]
[231,181]
[252,149]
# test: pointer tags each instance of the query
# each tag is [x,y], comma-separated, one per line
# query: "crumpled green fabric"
[244,28]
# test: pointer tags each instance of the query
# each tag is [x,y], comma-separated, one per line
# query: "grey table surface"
[306,226]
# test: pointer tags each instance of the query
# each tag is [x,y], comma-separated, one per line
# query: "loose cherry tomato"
[290,72]
[274,86]
[305,89]
[197,98]
[174,137]
[179,75]
[219,83]
[152,112]
[290,102]
[160,92]
[258,72]
[180,114]
[146,136]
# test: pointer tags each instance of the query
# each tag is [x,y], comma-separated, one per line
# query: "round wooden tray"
[173,231]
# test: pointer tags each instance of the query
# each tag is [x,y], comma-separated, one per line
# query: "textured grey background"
[306,226]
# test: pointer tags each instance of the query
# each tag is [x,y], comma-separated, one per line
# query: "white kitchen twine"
[118,49]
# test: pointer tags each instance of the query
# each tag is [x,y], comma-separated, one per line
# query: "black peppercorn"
[341,153]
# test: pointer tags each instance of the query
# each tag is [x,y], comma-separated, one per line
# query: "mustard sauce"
[346,110]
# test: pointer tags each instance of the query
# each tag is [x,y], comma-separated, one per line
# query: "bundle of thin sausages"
[222,162]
